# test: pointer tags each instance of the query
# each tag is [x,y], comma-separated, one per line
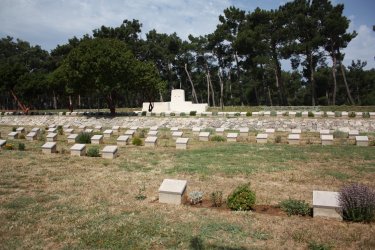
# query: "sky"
[52,22]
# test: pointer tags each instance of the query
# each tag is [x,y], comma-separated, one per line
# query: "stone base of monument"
[232,137]
[51,137]
[204,136]
[326,139]
[21,130]
[151,141]
[172,191]
[181,143]
[2,143]
[36,130]
[110,152]
[78,150]
[177,134]
[69,131]
[196,130]
[326,204]
[31,136]
[262,138]
[130,133]
[107,133]
[219,131]
[361,141]
[123,140]
[72,138]
[97,139]
[294,139]
[49,148]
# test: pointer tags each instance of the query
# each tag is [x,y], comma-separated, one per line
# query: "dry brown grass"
[61,201]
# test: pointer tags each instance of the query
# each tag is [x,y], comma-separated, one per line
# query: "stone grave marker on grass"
[78,149]
[107,133]
[13,135]
[69,131]
[31,136]
[326,139]
[130,133]
[176,134]
[150,141]
[110,152]
[154,128]
[49,148]
[353,134]
[36,130]
[52,130]
[98,128]
[72,138]
[219,131]
[296,131]
[97,139]
[361,141]
[171,191]
[122,140]
[270,131]
[232,137]
[20,130]
[204,136]
[244,131]
[324,132]
[262,138]
[51,137]
[2,143]
[326,204]
[293,139]
[181,143]
[196,130]
[152,133]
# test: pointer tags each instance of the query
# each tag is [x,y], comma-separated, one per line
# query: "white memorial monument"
[177,104]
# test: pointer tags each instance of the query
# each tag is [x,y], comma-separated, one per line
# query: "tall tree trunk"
[79,101]
[269,95]
[221,90]
[54,100]
[334,62]
[312,80]
[346,83]
[208,89]
[257,95]
[279,80]
[194,94]
[212,93]
[239,78]
[70,104]
[111,104]
[24,109]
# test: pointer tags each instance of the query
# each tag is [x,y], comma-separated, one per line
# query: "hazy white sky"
[52,22]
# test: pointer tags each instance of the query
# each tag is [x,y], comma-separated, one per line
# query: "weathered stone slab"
[151,141]
[177,134]
[279,113]
[326,204]
[89,130]
[31,136]
[110,152]
[51,137]
[361,141]
[171,191]
[135,128]
[318,114]
[255,114]
[98,128]
[267,113]
[294,139]
[174,129]
[296,131]
[270,131]
[116,129]
[154,128]
[359,114]
[49,148]
[52,126]
[244,132]
[21,130]
[81,128]
[69,131]
[353,134]
[196,130]
[292,113]
[344,114]
[66,127]
[97,139]
[330,114]
[123,140]
[2,143]
[372,114]
[204,136]
[78,149]
[152,133]
[324,132]
[72,138]
[262,138]
[305,114]
[232,137]
[107,133]
[219,131]
[52,130]
[130,133]
[13,135]
[182,143]
[326,139]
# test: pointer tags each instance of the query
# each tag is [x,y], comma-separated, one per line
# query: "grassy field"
[65,202]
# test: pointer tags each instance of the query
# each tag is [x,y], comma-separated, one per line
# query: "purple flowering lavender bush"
[357,202]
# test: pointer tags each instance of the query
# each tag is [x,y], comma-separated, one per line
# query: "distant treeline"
[238,64]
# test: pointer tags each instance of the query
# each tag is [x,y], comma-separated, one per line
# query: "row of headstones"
[325,203]
[181,143]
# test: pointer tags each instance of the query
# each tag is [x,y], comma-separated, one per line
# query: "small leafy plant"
[351,114]
[8,147]
[217,198]
[295,207]
[137,141]
[14,129]
[93,152]
[21,136]
[60,130]
[21,146]
[357,202]
[193,113]
[218,138]
[195,197]
[248,113]
[278,139]
[140,196]
[143,113]
[242,198]
[84,138]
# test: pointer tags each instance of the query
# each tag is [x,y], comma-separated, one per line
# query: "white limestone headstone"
[326,204]
[171,191]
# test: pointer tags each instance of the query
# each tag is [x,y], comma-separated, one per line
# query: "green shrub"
[172,114]
[136,141]
[60,130]
[21,136]
[215,113]
[340,134]
[248,114]
[310,114]
[162,114]
[278,139]
[14,129]
[84,138]
[351,114]
[286,114]
[143,113]
[299,114]
[337,114]
[182,114]
[153,114]
[64,113]
[195,197]
[217,138]
[237,114]
[21,146]
[295,207]
[366,115]
[93,152]
[242,198]
[357,202]
[318,246]
[193,113]
[217,198]
[8,147]
[273,113]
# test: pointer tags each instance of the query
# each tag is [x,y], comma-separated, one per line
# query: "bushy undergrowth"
[217,138]
[242,198]
[217,198]
[21,146]
[295,207]
[93,152]
[357,202]
[84,138]
[136,141]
